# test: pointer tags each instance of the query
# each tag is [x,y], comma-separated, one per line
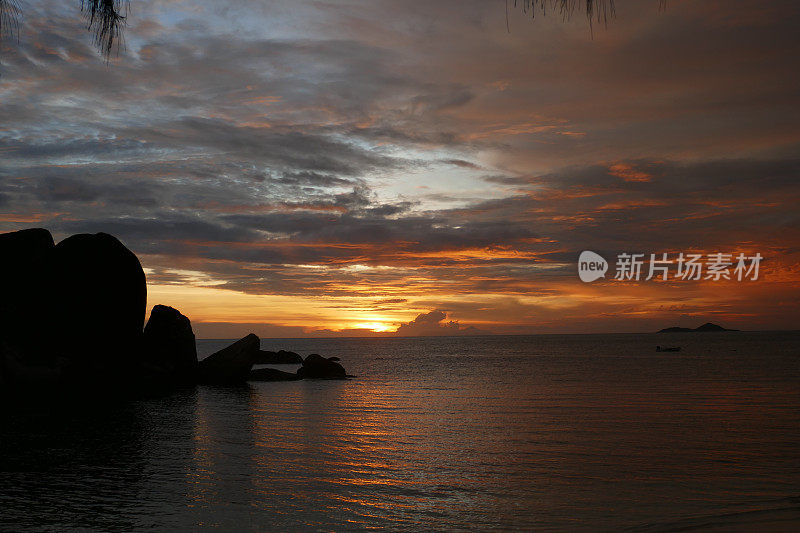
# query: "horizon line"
[494,335]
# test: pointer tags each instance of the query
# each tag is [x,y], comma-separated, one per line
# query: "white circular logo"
[591,266]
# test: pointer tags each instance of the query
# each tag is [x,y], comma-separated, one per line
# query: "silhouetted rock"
[707,327]
[21,251]
[317,367]
[281,357]
[72,314]
[73,310]
[271,374]
[168,346]
[230,365]
[22,290]
[20,373]
[97,296]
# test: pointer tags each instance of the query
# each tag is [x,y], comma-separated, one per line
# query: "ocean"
[532,433]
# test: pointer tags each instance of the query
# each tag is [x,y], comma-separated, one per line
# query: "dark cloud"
[274,148]
[461,163]
[65,189]
[60,148]
[313,179]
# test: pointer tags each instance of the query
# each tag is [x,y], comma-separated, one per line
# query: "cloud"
[420,155]
[433,323]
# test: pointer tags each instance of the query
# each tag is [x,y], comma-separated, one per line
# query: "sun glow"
[377,327]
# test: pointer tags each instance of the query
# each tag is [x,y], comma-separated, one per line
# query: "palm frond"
[601,10]
[9,18]
[106,21]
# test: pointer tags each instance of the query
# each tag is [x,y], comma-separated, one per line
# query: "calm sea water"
[550,433]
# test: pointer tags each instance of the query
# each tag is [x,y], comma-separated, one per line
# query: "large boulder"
[97,298]
[281,357]
[317,367]
[271,374]
[230,365]
[22,288]
[21,252]
[26,374]
[169,350]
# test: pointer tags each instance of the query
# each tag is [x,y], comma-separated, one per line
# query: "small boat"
[668,349]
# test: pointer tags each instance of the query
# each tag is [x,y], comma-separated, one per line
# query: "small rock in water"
[230,365]
[317,367]
[281,357]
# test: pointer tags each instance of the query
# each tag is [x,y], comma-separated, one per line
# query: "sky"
[376,167]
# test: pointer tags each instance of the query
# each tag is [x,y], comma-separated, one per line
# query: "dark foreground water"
[562,433]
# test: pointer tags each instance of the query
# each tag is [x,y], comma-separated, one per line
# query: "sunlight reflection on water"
[557,432]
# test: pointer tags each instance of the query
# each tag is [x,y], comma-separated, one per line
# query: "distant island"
[708,326]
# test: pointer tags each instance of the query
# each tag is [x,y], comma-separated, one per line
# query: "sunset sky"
[358,167]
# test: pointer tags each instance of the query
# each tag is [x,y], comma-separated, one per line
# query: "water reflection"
[89,464]
[219,482]
[427,440]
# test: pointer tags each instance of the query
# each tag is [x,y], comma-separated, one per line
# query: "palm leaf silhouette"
[105,19]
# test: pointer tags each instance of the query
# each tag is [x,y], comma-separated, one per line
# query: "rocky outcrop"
[271,374]
[97,296]
[72,311]
[281,357]
[230,365]
[317,367]
[168,346]
[21,373]
[72,315]
[22,288]
[27,246]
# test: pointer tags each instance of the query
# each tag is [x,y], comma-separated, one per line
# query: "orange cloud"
[628,172]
